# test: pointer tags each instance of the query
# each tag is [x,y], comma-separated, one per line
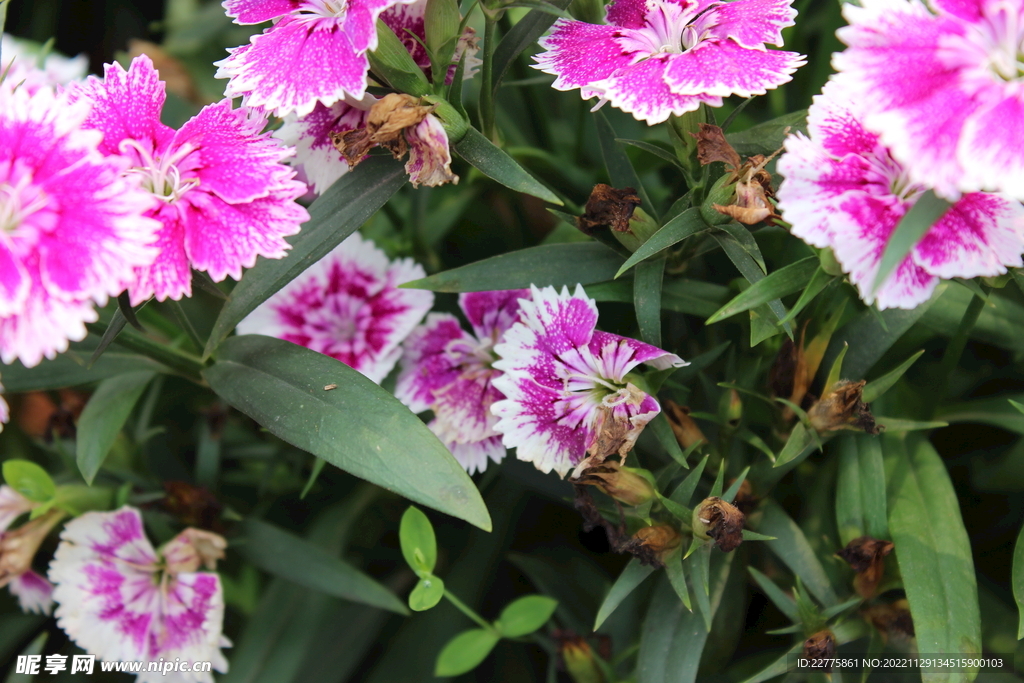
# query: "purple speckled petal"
[727,68]
[463,407]
[580,54]
[642,91]
[751,23]
[360,23]
[491,313]
[430,160]
[618,355]
[34,593]
[310,135]
[431,360]
[407,21]
[258,11]
[192,617]
[474,456]
[980,235]
[627,13]
[295,64]
[836,123]
[169,276]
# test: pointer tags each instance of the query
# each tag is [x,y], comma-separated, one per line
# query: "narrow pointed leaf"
[335,215]
[117,323]
[103,418]
[819,281]
[782,282]
[632,576]
[676,230]
[677,576]
[730,493]
[877,387]
[647,299]
[497,165]
[801,442]
[358,426]
[780,598]
[393,61]
[620,169]
[792,548]
[662,430]
[685,490]
[928,209]
[659,152]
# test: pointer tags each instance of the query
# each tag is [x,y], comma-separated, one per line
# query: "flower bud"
[193,548]
[624,484]
[686,430]
[892,620]
[723,192]
[732,407]
[866,556]
[18,547]
[579,660]
[716,519]
[820,646]
[841,407]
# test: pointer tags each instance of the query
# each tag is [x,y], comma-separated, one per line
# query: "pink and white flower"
[943,86]
[348,306]
[25,68]
[563,378]
[222,195]
[33,592]
[450,371]
[118,598]
[5,414]
[314,52]
[408,21]
[72,226]
[844,189]
[18,549]
[656,58]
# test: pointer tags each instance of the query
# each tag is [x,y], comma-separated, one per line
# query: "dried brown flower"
[618,482]
[842,407]
[608,206]
[820,646]
[715,518]
[866,556]
[753,183]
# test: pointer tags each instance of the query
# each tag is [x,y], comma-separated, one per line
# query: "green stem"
[487,76]
[185,363]
[465,609]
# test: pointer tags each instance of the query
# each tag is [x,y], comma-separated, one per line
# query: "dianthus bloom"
[121,600]
[567,383]
[28,70]
[656,58]
[222,194]
[944,87]
[18,548]
[72,226]
[348,306]
[843,189]
[450,371]
[314,52]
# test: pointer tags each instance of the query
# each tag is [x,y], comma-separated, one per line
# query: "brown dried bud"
[892,620]
[652,543]
[192,505]
[716,519]
[820,646]
[191,549]
[608,206]
[18,547]
[745,499]
[686,430]
[841,407]
[579,658]
[753,183]
[712,146]
[386,123]
[866,556]
[621,483]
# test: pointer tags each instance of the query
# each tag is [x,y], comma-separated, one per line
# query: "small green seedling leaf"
[525,615]
[419,547]
[428,592]
[30,480]
[465,651]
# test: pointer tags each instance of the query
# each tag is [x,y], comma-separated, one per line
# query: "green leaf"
[72,368]
[524,34]
[557,265]
[997,411]
[782,282]
[677,576]
[792,548]
[743,257]
[393,61]
[730,493]
[928,209]
[835,373]
[525,615]
[465,652]
[358,426]
[933,552]
[893,424]
[685,489]
[335,215]
[441,24]
[290,557]
[676,230]
[632,576]
[416,536]
[117,323]
[1018,580]
[801,443]
[819,281]
[427,592]
[104,416]
[662,430]
[620,170]
[860,488]
[780,598]
[34,648]
[767,137]
[30,480]
[876,387]
[647,299]
[497,165]
[659,152]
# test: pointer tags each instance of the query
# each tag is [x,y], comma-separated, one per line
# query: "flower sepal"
[392,61]
[630,485]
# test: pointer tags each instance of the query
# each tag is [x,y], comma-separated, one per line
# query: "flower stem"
[487,76]
[465,609]
[185,363]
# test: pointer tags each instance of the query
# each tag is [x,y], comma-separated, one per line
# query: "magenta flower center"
[670,28]
[160,173]
[19,199]
[892,176]
[998,41]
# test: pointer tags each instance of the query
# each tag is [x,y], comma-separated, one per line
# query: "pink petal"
[295,64]
[581,54]
[474,456]
[727,68]
[968,10]
[627,13]
[836,122]
[641,90]
[311,137]
[429,157]
[14,279]
[426,364]
[407,22]
[491,313]
[169,276]
[463,408]
[991,148]
[360,23]
[43,328]
[258,11]
[192,619]
[34,593]
[752,23]
[618,355]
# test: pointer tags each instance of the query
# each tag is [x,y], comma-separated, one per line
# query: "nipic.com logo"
[85,664]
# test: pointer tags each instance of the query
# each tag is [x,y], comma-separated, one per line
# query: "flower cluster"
[656,58]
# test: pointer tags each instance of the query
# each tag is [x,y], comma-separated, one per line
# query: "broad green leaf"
[557,265]
[524,34]
[632,576]
[767,137]
[801,442]
[427,592]
[792,548]
[335,215]
[290,557]
[782,282]
[780,598]
[620,169]
[72,368]
[465,652]
[928,209]
[933,552]
[860,488]
[997,411]
[877,387]
[677,576]
[1018,580]
[393,61]
[30,480]
[358,426]
[676,230]
[647,299]
[525,615]
[497,165]
[416,536]
[103,418]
